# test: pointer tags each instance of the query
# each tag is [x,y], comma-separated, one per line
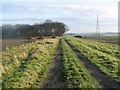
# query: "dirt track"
[55,78]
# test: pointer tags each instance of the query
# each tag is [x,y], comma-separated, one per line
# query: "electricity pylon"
[97,27]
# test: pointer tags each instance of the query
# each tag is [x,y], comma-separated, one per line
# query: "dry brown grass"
[8,43]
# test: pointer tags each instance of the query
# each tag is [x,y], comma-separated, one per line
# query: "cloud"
[77,15]
[109,11]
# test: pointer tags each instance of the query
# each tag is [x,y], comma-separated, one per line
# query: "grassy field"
[26,65]
[104,55]
[106,39]
[31,65]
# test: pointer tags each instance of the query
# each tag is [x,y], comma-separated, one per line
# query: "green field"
[29,65]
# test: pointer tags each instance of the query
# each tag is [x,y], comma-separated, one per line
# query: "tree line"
[48,28]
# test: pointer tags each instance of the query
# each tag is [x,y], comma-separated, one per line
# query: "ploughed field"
[9,43]
[62,62]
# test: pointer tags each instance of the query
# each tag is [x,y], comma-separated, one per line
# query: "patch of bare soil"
[55,78]
[103,80]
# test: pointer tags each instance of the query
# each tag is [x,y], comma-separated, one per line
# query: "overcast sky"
[79,15]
